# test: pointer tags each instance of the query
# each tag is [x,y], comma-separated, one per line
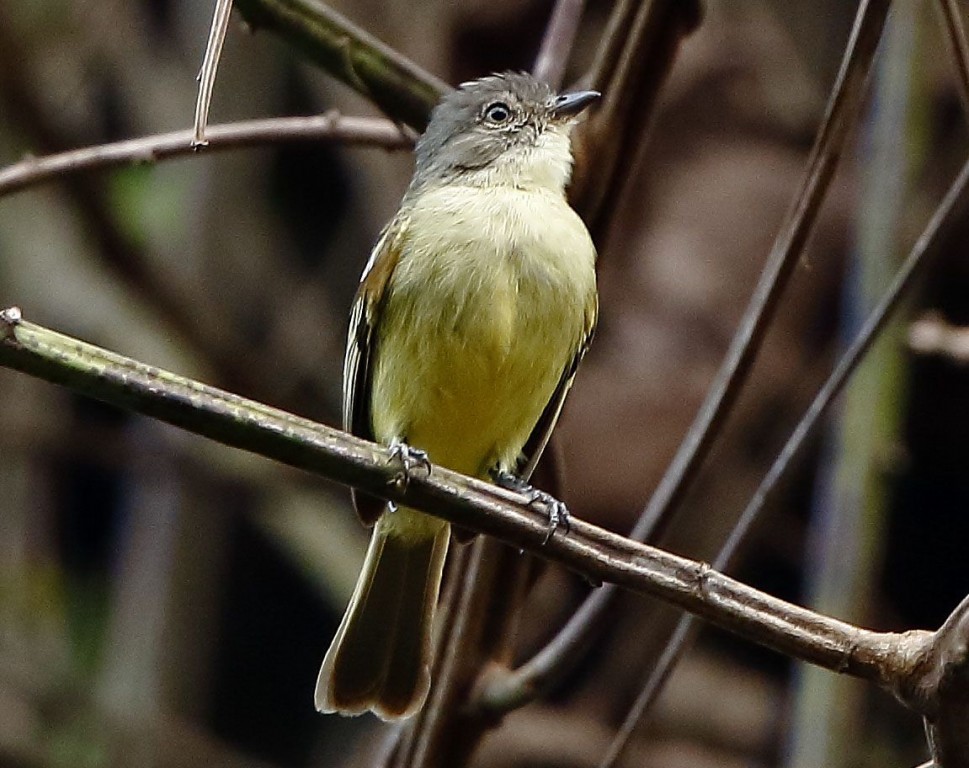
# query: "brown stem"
[639,49]
[402,89]
[941,692]
[886,658]
[540,672]
[557,43]
[362,131]
[210,65]
[958,45]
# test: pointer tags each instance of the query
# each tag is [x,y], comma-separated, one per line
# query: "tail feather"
[379,659]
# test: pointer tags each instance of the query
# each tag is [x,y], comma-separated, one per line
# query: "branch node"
[701,577]
[9,319]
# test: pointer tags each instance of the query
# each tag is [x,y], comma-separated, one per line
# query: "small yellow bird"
[473,313]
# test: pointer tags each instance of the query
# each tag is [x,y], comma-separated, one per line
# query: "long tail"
[380,657]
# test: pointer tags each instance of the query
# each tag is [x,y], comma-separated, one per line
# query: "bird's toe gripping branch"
[410,460]
[558,513]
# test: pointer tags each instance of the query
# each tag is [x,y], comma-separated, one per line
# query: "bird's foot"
[410,459]
[558,513]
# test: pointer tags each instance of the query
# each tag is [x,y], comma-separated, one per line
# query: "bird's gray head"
[503,129]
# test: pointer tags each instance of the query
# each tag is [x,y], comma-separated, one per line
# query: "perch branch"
[895,661]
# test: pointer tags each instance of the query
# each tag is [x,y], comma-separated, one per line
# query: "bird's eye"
[499,112]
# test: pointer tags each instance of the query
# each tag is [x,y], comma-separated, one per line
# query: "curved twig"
[363,131]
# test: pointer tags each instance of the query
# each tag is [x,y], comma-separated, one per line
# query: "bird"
[472,315]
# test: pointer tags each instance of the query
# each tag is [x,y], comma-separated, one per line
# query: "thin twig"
[558,41]
[954,204]
[843,109]
[210,65]
[403,90]
[362,131]
[887,658]
[564,650]
[637,54]
[958,45]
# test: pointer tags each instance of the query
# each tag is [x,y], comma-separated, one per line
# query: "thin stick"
[556,658]
[958,45]
[210,65]
[936,231]
[558,41]
[360,131]
[842,113]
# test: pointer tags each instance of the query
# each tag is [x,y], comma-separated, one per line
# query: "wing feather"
[542,432]
[358,362]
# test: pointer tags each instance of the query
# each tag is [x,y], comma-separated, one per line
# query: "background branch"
[955,34]
[210,65]
[638,50]
[557,43]
[843,109]
[359,131]
[402,89]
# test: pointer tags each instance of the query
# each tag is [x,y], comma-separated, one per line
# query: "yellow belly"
[483,317]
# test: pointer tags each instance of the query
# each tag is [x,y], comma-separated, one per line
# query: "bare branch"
[936,231]
[890,659]
[958,45]
[843,108]
[638,50]
[393,82]
[942,693]
[557,44]
[210,65]
[362,131]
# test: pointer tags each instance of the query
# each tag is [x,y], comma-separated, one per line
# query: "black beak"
[572,104]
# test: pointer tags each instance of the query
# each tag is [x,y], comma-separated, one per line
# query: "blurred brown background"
[166,601]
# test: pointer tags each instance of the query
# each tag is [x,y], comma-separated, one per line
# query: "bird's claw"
[410,459]
[558,513]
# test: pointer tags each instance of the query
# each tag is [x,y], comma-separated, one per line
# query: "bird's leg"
[558,513]
[410,458]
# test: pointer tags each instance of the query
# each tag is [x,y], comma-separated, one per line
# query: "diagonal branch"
[361,131]
[889,659]
[842,113]
[568,645]
[938,230]
[393,82]
[955,31]
[558,41]
[635,58]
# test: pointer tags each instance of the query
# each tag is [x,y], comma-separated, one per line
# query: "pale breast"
[489,302]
